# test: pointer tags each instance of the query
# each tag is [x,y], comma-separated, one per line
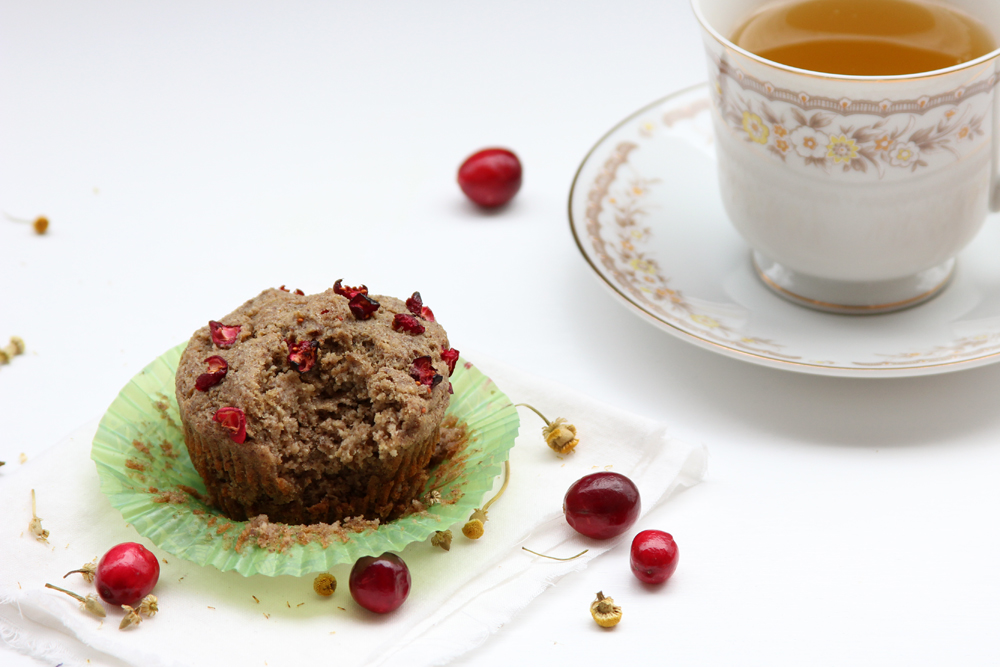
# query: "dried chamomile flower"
[35,526]
[441,538]
[148,606]
[14,348]
[132,617]
[89,603]
[559,434]
[605,612]
[475,527]
[325,584]
[87,571]
[40,224]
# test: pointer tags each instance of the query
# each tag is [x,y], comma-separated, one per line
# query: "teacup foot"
[852,298]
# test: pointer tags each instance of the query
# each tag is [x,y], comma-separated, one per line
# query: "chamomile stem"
[506,480]
[69,593]
[525,405]
[553,557]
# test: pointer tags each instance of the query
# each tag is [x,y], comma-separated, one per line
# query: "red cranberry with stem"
[302,355]
[407,323]
[234,421]
[450,357]
[380,584]
[349,292]
[602,505]
[423,371]
[363,307]
[217,369]
[126,574]
[653,556]
[222,335]
[490,177]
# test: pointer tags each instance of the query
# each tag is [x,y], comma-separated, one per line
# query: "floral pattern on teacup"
[828,141]
[854,135]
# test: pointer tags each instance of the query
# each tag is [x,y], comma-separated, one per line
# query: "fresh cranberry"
[654,556]
[217,369]
[302,354]
[407,323]
[380,584]
[450,357]
[490,177]
[602,505]
[222,335]
[423,371]
[362,306]
[126,574]
[349,292]
[234,421]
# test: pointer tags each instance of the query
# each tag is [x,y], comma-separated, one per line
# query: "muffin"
[313,409]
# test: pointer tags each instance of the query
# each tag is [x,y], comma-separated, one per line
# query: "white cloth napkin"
[457,599]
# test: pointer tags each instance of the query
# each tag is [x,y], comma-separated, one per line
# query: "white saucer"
[646,214]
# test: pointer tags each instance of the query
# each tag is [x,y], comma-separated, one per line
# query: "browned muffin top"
[317,384]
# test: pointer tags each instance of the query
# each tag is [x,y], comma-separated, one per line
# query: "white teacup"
[855,193]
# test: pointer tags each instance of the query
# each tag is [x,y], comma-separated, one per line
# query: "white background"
[191,154]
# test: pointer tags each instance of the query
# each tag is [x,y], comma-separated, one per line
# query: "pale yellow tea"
[864,37]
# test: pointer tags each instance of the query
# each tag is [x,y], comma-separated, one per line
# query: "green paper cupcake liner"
[147,475]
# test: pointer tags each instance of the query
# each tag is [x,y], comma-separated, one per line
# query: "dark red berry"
[416,306]
[349,292]
[415,303]
[653,556]
[362,306]
[222,335]
[407,323]
[423,371]
[217,369]
[602,505]
[490,177]
[302,355]
[234,421]
[450,357]
[283,288]
[126,574]
[380,584]
[299,292]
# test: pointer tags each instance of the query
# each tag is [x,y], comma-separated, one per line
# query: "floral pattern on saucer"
[645,211]
[637,269]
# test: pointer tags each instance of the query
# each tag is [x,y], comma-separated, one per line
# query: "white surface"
[243,145]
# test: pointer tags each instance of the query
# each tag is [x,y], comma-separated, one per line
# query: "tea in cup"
[855,173]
